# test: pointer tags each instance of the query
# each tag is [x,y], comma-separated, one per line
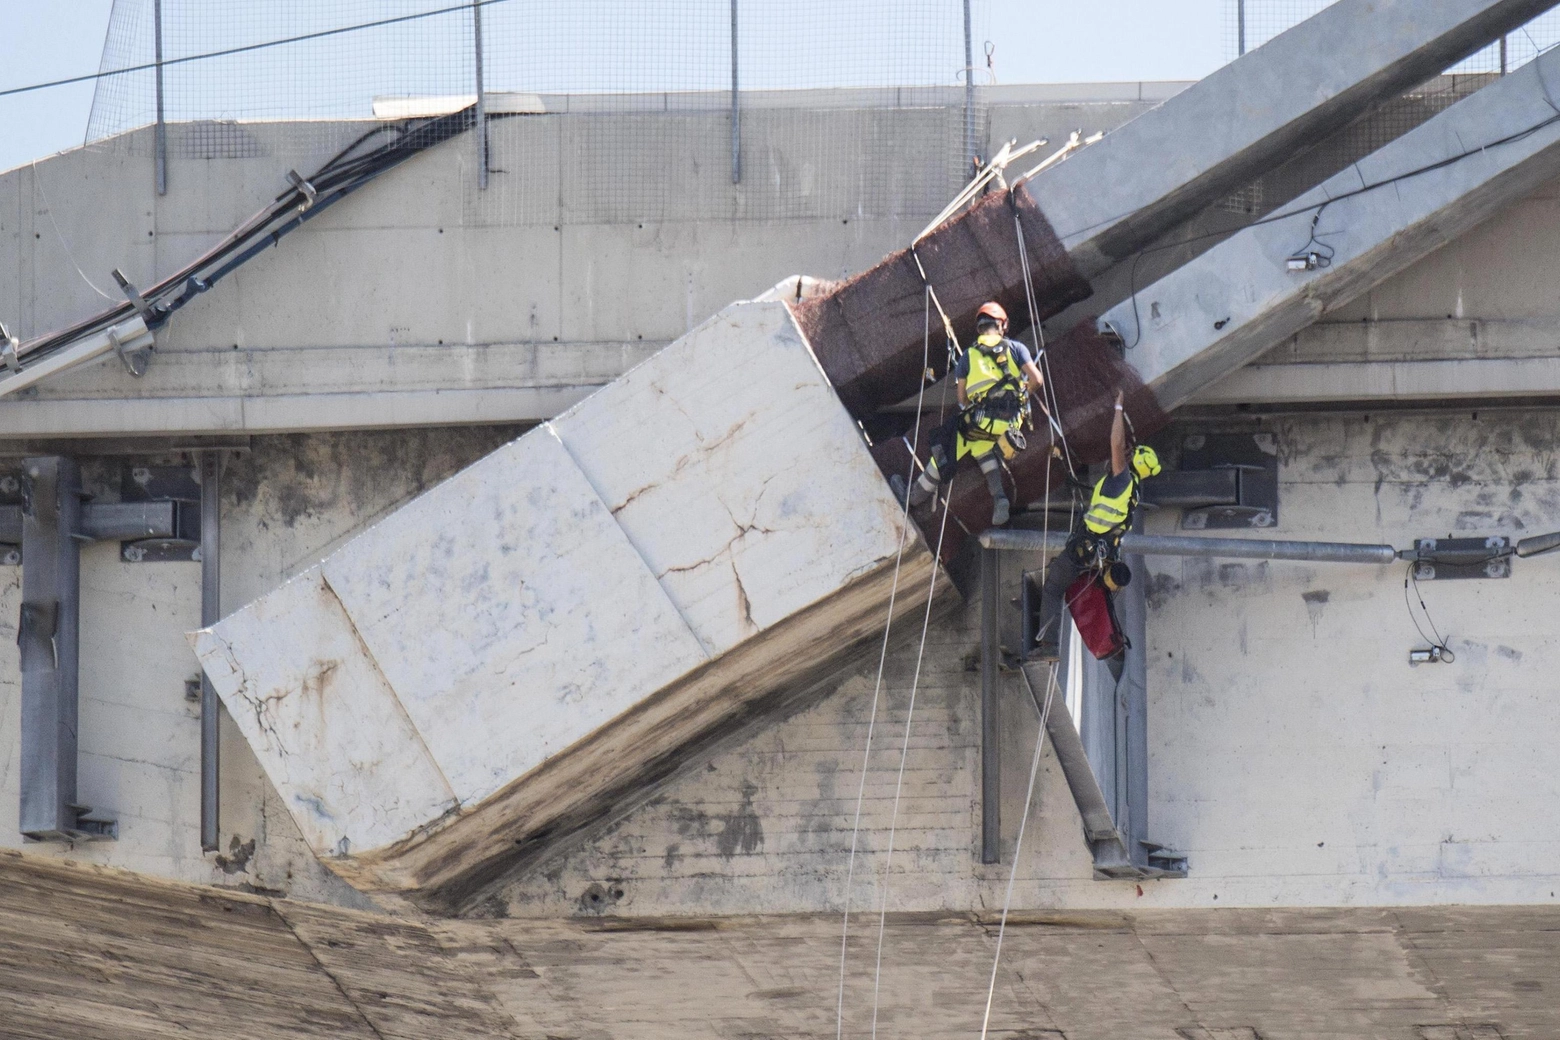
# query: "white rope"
[49,209]
[1034,765]
[877,686]
[1034,771]
[904,751]
[1054,406]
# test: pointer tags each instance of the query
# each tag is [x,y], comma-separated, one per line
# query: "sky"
[1033,41]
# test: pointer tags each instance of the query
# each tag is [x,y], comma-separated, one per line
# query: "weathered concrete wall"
[1295,756]
[287,501]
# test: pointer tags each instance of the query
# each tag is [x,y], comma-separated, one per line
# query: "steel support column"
[990,719]
[736,111]
[161,143]
[1132,711]
[969,90]
[210,613]
[482,128]
[47,635]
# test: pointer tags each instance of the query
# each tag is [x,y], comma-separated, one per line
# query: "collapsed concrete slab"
[1113,198]
[1210,317]
[509,655]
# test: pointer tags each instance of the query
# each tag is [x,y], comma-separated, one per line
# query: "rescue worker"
[1096,541]
[994,380]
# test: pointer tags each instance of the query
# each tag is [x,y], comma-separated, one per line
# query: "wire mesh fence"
[1248,24]
[757,100]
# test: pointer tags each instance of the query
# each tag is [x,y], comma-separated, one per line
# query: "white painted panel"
[731,465]
[510,614]
[304,692]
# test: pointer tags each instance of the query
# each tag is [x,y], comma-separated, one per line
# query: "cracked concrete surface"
[543,596]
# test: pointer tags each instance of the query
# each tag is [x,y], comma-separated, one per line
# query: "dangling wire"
[1436,644]
[877,686]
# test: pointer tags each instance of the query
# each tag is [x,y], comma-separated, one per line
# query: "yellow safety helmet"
[1145,461]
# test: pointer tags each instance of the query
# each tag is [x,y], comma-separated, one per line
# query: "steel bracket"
[179,488]
[1449,559]
[1253,459]
[135,353]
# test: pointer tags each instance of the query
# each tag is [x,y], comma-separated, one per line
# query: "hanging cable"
[305,199]
[904,751]
[1047,390]
[48,208]
[877,686]
[1437,645]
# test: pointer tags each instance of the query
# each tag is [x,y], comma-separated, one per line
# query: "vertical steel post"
[210,613]
[482,128]
[1133,603]
[47,634]
[736,112]
[1240,27]
[969,91]
[990,720]
[1503,55]
[161,143]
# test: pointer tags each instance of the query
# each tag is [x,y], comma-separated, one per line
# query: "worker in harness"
[994,380]
[1095,544]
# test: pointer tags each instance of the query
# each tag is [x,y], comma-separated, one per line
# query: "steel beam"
[1178,545]
[1388,210]
[990,717]
[1131,695]
[47,635]
[210,613]
[104,521]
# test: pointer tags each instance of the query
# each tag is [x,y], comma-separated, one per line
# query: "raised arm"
[1118,438]
[1036,384]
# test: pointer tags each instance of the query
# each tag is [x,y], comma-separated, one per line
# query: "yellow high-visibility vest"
[987,375]
[1109,514]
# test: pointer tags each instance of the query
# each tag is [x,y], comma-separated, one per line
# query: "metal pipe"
[990,720]
[210,614]
[1175,545]
[1539,543]
[969,89]
[1240,28]
[161,143]
[482,134]
[736,114]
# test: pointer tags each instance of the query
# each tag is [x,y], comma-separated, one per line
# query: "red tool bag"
[1096,621]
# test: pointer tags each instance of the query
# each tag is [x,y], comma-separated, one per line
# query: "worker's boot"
[991,467]
[1046,647]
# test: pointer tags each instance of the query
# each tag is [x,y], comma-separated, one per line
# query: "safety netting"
[772,108]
